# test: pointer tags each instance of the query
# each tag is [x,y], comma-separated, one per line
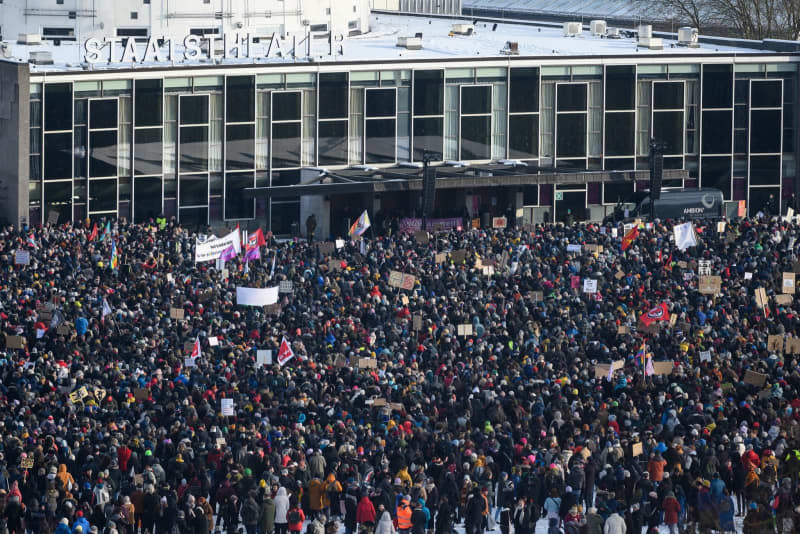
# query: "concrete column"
[14,141]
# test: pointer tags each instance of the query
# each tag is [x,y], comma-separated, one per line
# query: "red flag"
[285,353]
[629,238]
[93,235]
[260,240]
[196,350]
[659,313]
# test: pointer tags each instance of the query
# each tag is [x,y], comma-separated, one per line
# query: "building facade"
[206,142]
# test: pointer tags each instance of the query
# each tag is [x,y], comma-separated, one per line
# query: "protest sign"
[458,256]
[286,286]
[783,300]
[775,343]
[212,248]
[761,298]
[22,257]
[705,356]
[256,296]
[417,322]
[15,342]
[499,222]
[589,285]
[465,329]
[636,449]
[710,285]
[792,345]
[141,394]
[27,462]
[440,257]
[188,362]
[788,286]
[367,363]
[754,378]
[663,368]
[326,247]
[422,237]
[601,369]
[227,407]
[176,313]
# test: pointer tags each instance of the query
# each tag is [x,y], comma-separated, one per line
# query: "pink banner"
[432,225]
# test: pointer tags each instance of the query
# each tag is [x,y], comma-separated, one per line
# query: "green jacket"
[266,516]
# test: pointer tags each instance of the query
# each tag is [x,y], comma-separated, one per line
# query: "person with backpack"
[295,517]
[250,514]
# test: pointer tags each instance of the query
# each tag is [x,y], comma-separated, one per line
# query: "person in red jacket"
[295,516]
[671,508]
[123,457]
[365,512]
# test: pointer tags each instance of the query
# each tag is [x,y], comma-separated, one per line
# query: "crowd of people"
[499,391]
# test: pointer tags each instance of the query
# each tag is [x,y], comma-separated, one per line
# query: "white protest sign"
[705,356]
[263,357]
[748,276]
[589,285]
[286,286]
[212,248]
[573,248]
[684,236]
[340,243]
[227,407]
[256,296]
[213,341]
[22,257]
[188,362]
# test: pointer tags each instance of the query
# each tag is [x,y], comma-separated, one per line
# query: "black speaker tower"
[656,173]
[428,188]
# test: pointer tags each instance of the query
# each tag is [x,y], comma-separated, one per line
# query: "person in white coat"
[281,509]
[614,525]
[385,525]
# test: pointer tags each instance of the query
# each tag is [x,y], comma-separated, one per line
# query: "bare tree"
[749,19]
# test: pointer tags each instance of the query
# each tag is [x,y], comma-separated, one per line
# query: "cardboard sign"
[409,281]
[458,256]
[537,296]
[673,318]
[636,449]
[475,223]
[378,402]
[335,265]
[721,227]
[710,285]
[764,393]
[100,394]
[272,309]
[396,406]
[487,270]
[286,286]
[740,212]
[754,378]
[585,453]
[64,329]
[589,285]
[176,313]
[620,275]
[367,363]
[404,300]
[788,283]
[15,342]
[601,369]
[227,407]
[783,300]
[416,322]
[395,279]
[26,463]
[326,247]
[440,257]
[422,237]
[623,329]
[499,222]
[52,217]
[761,298]
[141,394]
[663,368]
[792,345]
[775,343]
[465,330]
[138,480]
[22,257]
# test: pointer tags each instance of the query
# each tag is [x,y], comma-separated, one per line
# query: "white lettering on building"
[196,47]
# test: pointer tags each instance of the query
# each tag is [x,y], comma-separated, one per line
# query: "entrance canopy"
[448,176]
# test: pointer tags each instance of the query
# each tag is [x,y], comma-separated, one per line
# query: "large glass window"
[428,137]
[620,87]
[286,129]
[523,136]
[668,115]
[765,170]
[58,198]
[333,95]
[620,134]
[240,99]
[193,149]
[103,153]
[717,132]
[194,190]
[57,107]
[57,156]
[524,93]
[380,125]
[239,147]
[147,198]
[428,92]
[571,126]
[571,97]
[717,86]
[148,153]
[333,142]
[103,195]
[148,102]
[237,205]
[476,122]
[715,171]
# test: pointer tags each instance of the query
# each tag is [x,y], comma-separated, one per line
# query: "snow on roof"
[622,9]
[544,40]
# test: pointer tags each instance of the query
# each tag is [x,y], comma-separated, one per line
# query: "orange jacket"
[404,516]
